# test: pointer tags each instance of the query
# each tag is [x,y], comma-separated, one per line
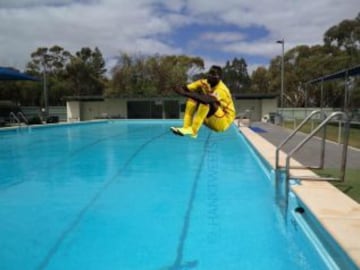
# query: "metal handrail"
[301,144]
[278,148]
[14,117]
[345,143]
[22,116]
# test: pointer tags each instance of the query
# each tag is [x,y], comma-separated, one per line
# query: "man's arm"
[202,98]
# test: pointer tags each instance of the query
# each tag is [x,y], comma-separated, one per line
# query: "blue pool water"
[131,195]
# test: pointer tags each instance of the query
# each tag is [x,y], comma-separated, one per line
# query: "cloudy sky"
[217,31]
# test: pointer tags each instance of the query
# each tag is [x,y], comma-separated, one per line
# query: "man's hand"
[180,90]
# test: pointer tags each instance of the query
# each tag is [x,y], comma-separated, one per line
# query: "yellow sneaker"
[187,131]
[175,130]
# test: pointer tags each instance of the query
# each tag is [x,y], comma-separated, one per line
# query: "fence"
[289,114]
[33,111]
[296,115]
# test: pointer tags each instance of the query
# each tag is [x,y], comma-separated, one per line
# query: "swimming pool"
[130,195]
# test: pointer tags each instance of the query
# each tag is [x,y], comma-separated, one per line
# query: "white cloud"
[37,3]
[111,26]
[251,68]
[268,48]
[143,25]
[222,37]
[305,22]
[297,21]
[173,5]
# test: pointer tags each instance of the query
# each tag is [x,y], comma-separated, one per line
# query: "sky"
[216,31]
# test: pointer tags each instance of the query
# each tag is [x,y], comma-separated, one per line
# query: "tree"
[346,37]
[85,73]
[302,64]
[144,76]
[260,82]
[174,70]
[236,77]
[53,60]
[67,74]
[50,62]
[341,49]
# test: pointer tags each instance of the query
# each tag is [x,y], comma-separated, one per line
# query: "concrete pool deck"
[338,213]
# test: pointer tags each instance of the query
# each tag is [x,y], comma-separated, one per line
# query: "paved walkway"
[310,153]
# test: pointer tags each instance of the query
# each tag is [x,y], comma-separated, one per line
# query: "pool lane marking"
[65,160]
[178,264]
[53,250]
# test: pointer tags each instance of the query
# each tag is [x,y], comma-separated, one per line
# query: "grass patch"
[351,185]
[332,132]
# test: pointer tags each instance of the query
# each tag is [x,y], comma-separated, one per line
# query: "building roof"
[102,98]
[11,74]
[84,98]
[255,96]
[345,73]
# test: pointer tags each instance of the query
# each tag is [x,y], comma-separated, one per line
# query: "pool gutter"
[336,212]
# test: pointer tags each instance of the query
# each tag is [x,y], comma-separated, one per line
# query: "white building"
[253,106]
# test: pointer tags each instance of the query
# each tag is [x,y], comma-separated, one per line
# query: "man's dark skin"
[213,79]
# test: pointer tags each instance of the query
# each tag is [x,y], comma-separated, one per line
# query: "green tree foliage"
[11,90]
[66,75]
[85,74]
[302,64]
[53,60]
[144,76]
[236,77]
[260,82]
[345,36]
[50,63]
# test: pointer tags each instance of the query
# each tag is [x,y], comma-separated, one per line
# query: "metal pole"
[346,100]
[282,75]
[306,96]
[46,110]
[282,42]
[322,118]
[346,133]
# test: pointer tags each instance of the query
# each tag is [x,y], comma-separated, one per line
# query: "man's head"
[214,75]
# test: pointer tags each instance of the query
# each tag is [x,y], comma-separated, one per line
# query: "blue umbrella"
[10,74]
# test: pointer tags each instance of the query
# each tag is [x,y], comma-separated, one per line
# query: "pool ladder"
[283,172]
[16,118]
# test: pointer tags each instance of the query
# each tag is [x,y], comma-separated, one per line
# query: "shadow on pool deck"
[310,153]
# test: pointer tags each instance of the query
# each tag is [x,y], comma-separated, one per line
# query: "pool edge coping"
[337,213]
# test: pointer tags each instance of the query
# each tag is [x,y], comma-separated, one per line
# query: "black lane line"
[52,251]
[5,186]
[178,263]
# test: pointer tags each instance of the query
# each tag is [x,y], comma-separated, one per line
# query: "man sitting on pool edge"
[209,102]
